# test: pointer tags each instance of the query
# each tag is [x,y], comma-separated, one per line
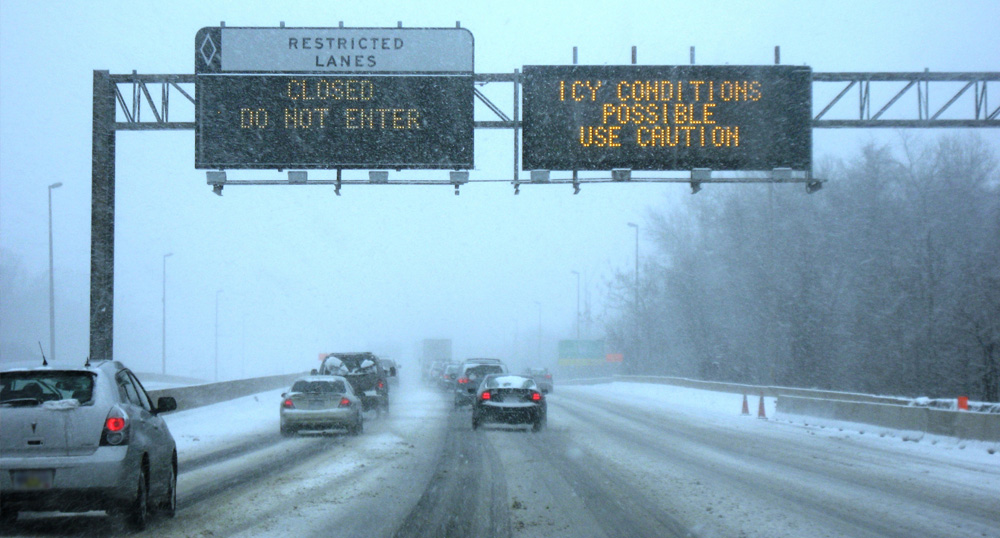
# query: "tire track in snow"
[467,494]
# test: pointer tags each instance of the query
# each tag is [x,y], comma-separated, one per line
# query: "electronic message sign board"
[667,117]
[280,98]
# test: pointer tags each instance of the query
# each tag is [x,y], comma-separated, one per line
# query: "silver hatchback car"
[84,438]
[320,402]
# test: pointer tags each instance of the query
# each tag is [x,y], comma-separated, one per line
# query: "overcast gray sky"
[304,271]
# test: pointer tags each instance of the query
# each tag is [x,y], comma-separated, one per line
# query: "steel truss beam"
[976,115]
[979,114]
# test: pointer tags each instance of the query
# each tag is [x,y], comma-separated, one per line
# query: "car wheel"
[356,428]
[169,504]
[286,431]
[137,513]
[7,515]
[475,423]
[538,425]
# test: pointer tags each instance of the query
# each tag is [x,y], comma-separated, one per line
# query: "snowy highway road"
[615,460]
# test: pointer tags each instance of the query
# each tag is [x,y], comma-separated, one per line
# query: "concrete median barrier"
[194,396]
[961,424]
[884,411]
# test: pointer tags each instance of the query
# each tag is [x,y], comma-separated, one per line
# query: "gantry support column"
[102,219]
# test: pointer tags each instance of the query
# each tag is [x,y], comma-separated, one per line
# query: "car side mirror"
[165,404]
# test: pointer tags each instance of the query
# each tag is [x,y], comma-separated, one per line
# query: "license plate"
[33,479]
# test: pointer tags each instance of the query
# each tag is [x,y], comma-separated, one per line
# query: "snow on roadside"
[727,407]
[213,427]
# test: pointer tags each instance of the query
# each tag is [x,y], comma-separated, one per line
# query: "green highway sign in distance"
[581,352]
[667,117]
[334,98]
[581,349]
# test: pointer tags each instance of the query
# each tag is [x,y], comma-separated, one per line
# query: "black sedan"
[509,399]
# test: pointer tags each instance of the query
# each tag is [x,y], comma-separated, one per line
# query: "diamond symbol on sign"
[208,49]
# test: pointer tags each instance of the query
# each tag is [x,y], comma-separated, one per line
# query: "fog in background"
[303,271]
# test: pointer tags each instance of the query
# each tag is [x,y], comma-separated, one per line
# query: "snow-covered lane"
[725,475]
[620,459]
[239,477]
[256,483]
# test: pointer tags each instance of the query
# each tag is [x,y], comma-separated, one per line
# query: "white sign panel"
[337,50]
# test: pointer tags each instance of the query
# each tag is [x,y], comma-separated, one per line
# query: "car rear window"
[510,382]
[34,387]
[319,387]
[350,365]
[483,370]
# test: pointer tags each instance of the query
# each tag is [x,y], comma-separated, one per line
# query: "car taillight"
[288,404]
[381,384]
[344,402]
[463,380]
[536,396]
[115,428]
[486,395]
[548,376]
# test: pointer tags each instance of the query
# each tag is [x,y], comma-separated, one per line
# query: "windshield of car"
[38,386]
[748,252]
[318,387]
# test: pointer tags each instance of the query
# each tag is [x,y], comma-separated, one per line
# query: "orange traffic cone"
[760,408]
[746,407]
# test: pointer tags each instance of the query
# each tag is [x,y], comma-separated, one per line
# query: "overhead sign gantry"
[395,98]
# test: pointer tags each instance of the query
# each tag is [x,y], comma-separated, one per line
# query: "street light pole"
[217,292]
[636,226]
[163,357]
[538,352]
[52,283]
[577,273]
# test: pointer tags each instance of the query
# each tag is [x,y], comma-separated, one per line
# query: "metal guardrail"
[738,388]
